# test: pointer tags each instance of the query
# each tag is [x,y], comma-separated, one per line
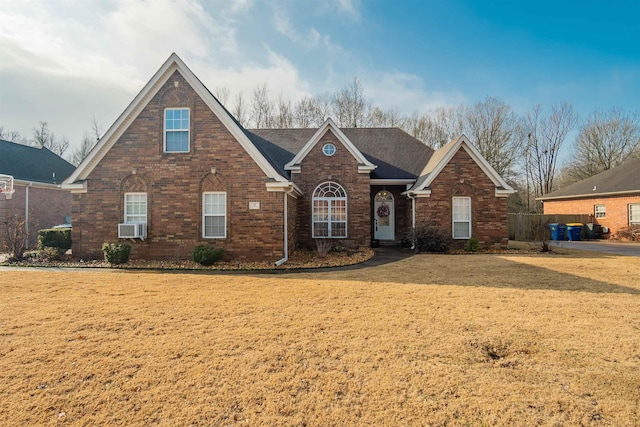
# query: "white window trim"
[329,221]
[453,221]
[633,221]
[324,148]
[164,127]
[204,194]
[146,201]
[600,214]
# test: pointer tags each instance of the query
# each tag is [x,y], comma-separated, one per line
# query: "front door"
[383,214]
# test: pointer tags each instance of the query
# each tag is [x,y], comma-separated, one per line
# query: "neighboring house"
[611,197]
[177,170]
[39,198]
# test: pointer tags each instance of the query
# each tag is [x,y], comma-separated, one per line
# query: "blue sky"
[67,61]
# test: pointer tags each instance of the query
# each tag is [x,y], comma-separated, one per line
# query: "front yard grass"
[523,339]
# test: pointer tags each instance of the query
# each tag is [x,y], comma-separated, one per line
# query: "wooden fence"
[523,226]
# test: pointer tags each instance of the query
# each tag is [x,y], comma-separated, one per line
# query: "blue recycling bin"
[558,231]
[574,230]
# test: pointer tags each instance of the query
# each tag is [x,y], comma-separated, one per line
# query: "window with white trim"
[634,215]
[461,213]
[214,215]
[176,130]
[135,208]
[329,211]
[600,211]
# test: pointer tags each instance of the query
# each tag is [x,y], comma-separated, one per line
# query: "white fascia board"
[140,102]
[392,181]
[504,192]
[591,195]
[77,187]
[417,193]
[364,165]
[286,187]
[37,184]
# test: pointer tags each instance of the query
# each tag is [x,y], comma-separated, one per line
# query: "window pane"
[321,229]
[320,210]
[214,226]
[338,229]
[135,208]
[634,213]
[339,210]
[214,204]
[461,230]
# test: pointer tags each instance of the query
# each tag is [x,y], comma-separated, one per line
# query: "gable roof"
[37,164]
[76,182]
[622,179]
[364,166]
[397,155]
[442,156]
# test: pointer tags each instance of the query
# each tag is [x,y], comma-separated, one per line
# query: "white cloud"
[284,26]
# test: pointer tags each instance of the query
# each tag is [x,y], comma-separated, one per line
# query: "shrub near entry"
[59,238]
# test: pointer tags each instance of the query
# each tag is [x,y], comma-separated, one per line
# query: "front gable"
[444,156]
[329,127]
[77,181]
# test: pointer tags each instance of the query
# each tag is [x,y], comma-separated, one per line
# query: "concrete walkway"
[617,248]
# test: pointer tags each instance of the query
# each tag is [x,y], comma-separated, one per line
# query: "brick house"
[177,170]
[39,198]
[612,197]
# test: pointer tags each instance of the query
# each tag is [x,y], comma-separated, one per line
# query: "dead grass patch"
[430,340]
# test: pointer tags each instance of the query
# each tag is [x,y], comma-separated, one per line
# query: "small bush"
[49,253]
[116,253]
[59,238]
[207,255]
[473,245]
[429,238]
[323,246]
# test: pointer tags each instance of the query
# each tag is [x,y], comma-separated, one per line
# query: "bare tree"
[492,127]
[545,135]
[606,140]
[89,140]
[221,93]
[304,112]
[45,138]
[322,108]
[284,115]
[11,135]
[350,106]
[261,107]
[240,110]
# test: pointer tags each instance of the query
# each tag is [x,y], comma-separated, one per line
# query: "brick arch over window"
[329,211]
[133,184]
[175,97]
[213,182]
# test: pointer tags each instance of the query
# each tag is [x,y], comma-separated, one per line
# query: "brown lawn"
[430,340]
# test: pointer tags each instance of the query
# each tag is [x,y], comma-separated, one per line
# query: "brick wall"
[47,207]
[341,168]
[463,177]
[617,215]
[174,183]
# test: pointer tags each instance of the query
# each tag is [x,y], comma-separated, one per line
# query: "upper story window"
[176,130]
[135,208]
[329,149]
[461,217]
[600,211]
[329,211]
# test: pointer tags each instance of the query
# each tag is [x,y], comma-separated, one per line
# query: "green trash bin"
[574,230]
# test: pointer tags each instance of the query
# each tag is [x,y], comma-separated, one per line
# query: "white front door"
[383,216]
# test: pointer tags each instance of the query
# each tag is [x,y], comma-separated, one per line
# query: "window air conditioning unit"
[132,231]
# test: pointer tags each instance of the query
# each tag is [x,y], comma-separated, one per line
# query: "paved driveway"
[630,249]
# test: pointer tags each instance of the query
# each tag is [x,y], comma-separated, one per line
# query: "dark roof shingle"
[33,163]
[621,179]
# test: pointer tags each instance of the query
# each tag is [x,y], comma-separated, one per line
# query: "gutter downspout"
[413,219]
[26,211]
[286,232]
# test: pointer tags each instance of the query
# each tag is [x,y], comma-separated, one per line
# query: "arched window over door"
[329,211]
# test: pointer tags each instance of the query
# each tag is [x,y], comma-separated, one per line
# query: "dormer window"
[176,130]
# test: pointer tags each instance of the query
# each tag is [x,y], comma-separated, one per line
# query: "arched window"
[329,211]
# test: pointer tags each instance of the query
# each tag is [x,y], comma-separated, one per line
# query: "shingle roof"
[397,154]
[33,163]
[621,179]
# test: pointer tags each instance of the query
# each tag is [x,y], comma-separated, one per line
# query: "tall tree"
[350,105]
[43,137]
[89,140]
[11,135]
[606,139]
[240,110]
[492,127]
[545,135]
[261,107]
